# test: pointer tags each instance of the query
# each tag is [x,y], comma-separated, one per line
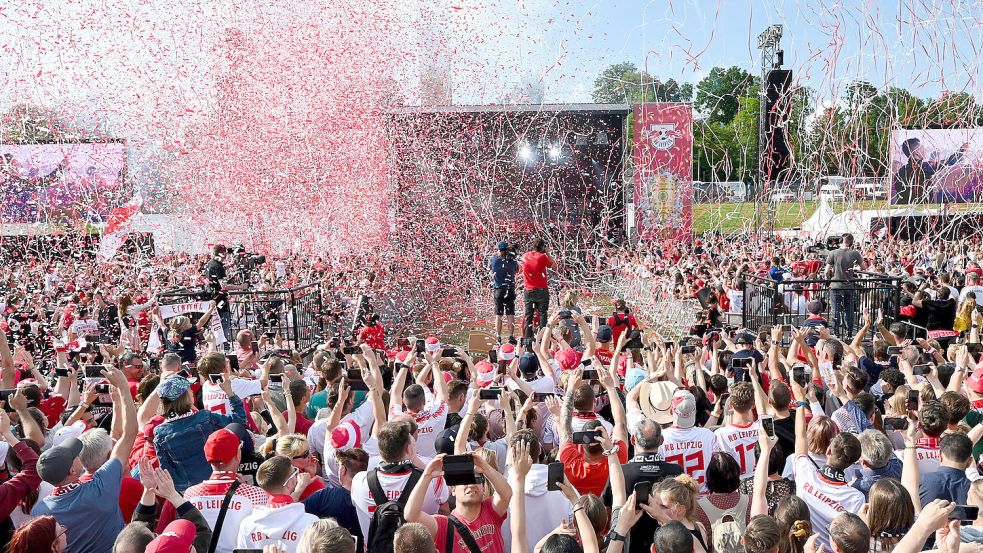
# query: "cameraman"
[841,267]
[503,268]
[534,264]
[219,286]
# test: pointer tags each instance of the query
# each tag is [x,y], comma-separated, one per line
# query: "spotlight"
[525,153]
[555,152]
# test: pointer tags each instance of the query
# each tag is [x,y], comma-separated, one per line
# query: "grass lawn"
[729,217]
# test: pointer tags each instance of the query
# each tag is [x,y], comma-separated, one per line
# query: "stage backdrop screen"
[936,165]
[663,152]
[61,183]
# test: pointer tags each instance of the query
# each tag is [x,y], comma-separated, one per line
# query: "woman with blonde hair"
[794,524]
[889,513]
[675,499]
[187,333]
[296,448]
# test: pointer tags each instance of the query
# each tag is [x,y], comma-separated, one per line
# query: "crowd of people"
[586,428]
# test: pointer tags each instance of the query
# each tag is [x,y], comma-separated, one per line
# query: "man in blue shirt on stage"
[503,268]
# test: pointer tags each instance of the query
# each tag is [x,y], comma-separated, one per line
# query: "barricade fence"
[845,303]
[296,314]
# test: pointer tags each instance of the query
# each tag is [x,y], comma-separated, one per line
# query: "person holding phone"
[587,464]
[477,518]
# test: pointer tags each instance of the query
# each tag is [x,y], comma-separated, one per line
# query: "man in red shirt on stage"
[534,264]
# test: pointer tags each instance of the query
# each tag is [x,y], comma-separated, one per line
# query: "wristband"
[613,535]
[801,403]
[615,449]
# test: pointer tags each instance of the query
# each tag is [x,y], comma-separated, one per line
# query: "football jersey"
[282,523]
[826,499]
[928,454]
[738,441]
[430,421]
[357,424]
[393,484]
[207,497]
[215,400]
[691,449]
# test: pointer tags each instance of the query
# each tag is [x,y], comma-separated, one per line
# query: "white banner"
[170,311]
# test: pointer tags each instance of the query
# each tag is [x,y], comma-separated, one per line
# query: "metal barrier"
[845,302]
[296,314]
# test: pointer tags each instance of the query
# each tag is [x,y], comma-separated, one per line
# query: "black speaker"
[779,107]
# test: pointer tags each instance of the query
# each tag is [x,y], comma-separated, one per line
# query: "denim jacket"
[180,443]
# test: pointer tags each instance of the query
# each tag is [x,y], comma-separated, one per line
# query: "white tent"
[860,223]
[818,223]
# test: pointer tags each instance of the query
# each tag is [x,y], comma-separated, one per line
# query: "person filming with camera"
[503,268]
[218,282]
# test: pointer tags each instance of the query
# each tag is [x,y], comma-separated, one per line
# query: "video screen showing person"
[937,166]
[61,183]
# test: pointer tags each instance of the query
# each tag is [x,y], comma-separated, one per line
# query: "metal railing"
[296,314]
[846,303]
[654,301]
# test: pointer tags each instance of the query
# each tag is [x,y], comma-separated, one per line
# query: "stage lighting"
[525,153]
[555,152]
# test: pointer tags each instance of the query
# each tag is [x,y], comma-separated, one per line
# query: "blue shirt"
[503,271]
[89,512]
[946,483]
[777,273]
[868,476]
[335,503]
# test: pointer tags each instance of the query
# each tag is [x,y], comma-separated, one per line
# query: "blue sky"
[925,46]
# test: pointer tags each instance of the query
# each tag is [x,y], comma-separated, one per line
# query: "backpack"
[388,516]
[728,525]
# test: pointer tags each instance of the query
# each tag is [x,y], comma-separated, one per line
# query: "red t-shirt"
[303,423]
[53,407]
[316,485]
[619,323]
[486,529]
[534,265]
[374,336]
[588,477]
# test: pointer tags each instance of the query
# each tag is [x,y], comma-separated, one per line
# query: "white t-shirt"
[430,421]
[736,298]
[393,484]
[826,499]
[272,525]
[543,385]
[545,510]
[928,457]
[738,442]
[207,497]
[691,449]
[978,290]
[358,424]
[214,398]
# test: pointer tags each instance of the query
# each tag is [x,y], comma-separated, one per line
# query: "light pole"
[771,58]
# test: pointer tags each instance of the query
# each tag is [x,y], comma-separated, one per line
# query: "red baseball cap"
[975,381]
[222,446]
[177,537]
[567,358]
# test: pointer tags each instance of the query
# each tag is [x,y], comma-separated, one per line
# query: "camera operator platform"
[503,268]
[220,284]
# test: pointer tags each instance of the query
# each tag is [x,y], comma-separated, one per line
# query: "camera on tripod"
[246,262]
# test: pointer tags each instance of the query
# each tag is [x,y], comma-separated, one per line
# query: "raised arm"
[759,499]
[123,447]
[910,476]
[503,492]
[521,464]
[801,442]
[620,430]
[565,428]
[413,511]
[439,384]
[461,440]
[396,394]
[208,315]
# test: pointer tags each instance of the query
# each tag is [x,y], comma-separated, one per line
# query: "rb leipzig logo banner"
[663,154]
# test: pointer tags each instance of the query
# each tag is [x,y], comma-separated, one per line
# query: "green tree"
[718,94]
[623,83]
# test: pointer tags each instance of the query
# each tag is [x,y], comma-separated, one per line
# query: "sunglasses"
[293,474]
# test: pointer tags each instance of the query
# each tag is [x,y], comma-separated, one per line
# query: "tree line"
[849,138]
